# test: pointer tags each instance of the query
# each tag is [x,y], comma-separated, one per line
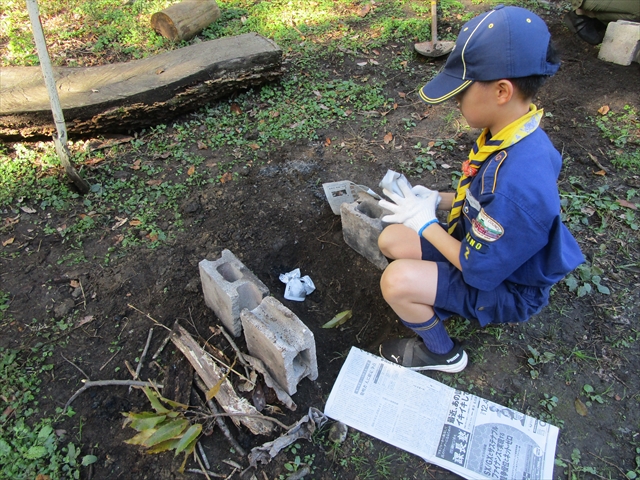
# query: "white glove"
[414,210]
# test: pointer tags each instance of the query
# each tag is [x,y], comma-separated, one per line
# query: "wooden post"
[60,140]
[184,20]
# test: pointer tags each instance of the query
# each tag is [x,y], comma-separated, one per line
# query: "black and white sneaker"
[413,354]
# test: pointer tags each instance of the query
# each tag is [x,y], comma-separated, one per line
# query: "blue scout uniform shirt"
[511,226]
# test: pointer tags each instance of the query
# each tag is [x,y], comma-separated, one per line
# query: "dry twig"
[103,383]
[144,353]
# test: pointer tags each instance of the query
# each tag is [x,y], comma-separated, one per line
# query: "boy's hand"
[414,210]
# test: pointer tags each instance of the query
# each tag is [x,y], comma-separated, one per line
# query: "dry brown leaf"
[192,170]
[364,10]
[202,145]
[154,182]
[387,138]
[74,283]
[135,223]
[274,114]
[603,110]
[8,241]
[254,146]
[327,142]
[373,62]
[135,165]
[226,177]
[235,108]
[27,210]
[84,320]
[624,203]
[404,64]
[153,237]
[164,155]
[376,52]
[93,161]
[402,94]
[581,408]
[602,173]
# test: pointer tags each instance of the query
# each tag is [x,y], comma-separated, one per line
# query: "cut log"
[125,97]
[184,20]
[210,373]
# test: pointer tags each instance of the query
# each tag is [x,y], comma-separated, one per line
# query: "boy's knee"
[392,280]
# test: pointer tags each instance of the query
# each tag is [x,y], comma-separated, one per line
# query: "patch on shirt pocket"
[486,228]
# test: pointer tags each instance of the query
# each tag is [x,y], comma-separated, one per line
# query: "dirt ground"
[275,218]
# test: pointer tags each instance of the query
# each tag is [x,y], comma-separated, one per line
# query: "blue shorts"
[507,303]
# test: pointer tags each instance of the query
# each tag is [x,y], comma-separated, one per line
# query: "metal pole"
[60,140]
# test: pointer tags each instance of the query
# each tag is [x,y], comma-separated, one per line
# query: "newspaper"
[466,434]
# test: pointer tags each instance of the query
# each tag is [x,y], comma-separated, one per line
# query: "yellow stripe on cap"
[449,95]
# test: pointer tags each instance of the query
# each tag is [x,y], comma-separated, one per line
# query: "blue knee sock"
[433,334]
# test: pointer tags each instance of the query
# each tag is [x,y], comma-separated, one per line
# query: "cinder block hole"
[300,363]
[370,209]
[248,296]
[229,272]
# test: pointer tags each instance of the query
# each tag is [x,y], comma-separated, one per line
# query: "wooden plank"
[211,375]
[123,97]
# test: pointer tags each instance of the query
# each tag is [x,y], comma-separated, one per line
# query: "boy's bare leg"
[409,287]
[397,241]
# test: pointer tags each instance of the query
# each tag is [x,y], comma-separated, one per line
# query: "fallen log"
[184,20]
[211,375]
[125,97]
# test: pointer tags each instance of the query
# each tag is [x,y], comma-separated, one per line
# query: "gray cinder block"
[361,227]
[275,335]
[229,287]
[621,43]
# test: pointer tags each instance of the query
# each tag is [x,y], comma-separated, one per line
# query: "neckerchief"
[483,148]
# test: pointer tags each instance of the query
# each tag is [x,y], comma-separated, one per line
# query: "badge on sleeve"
[486,228]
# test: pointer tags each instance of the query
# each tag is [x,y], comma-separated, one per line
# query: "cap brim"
[442,88]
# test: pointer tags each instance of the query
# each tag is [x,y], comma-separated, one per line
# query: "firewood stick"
[144,353]
[219,420]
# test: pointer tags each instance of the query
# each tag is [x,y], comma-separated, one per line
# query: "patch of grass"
[31,447]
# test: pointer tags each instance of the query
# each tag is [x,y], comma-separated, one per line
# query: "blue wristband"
[430,222]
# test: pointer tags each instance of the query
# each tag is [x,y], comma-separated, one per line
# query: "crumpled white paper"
[297,287]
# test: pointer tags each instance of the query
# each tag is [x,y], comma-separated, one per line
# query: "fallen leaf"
[192,170]
[85,320]
[117,239]
[317,93]
[602,173]
[254,146]
[603,110]
[202,145]
[364,10]
[274,114]
[119,223]
[226,177]
[387,138]
[404,64]
[624,203]
[135,165]
[153,237]
[74,283]
[93,161]
[27,210]
[235,108]
[164,155]
[159,71]
[135,223]
[339,319]
[8,241]
[154,183]
[581,408]
[373,62]
[361,64]
[617,397]
[402,95]
[327,142]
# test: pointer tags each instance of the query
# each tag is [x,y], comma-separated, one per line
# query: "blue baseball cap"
[506,42]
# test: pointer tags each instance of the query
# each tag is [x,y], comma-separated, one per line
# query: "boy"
[504,245]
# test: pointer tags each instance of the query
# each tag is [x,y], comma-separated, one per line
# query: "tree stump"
[184,20]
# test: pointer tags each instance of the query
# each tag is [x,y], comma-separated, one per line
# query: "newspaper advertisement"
[468,435]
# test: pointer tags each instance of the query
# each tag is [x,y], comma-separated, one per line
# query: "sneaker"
[413,354]
[591,30]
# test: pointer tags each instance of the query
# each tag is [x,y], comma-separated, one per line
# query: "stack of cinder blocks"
[274,334]
[361,227]
[621,43]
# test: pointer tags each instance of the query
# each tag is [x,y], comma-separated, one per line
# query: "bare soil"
[274,219]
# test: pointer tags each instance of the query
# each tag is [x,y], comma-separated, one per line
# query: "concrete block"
[229,287]
[275,335]
[361,227]
[621,43]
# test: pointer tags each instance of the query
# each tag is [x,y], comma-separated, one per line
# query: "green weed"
[586,278]
[536,359]
[574,469]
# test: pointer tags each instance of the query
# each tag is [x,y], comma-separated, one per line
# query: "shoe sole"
[453,368]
